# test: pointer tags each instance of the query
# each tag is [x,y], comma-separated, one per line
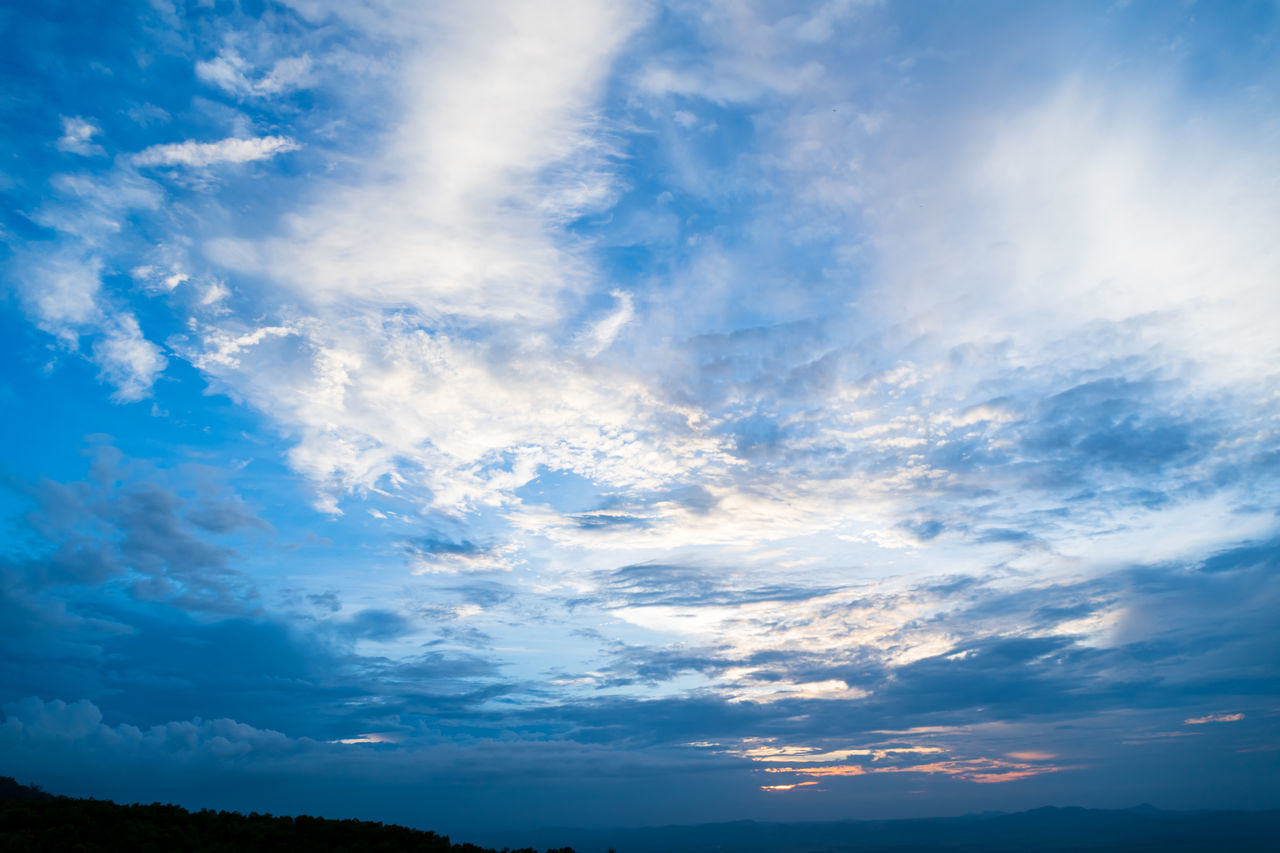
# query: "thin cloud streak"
[203,154]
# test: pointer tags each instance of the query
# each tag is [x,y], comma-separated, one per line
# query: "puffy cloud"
[77,137]
[32,721]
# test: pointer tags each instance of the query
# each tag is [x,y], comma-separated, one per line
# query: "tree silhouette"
[32,821]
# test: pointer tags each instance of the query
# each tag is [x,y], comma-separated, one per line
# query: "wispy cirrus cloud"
[64,294]
[1214,718]
[203,154]
[231,72]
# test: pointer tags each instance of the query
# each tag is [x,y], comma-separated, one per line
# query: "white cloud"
[159,279]
[750,51]
[456,213]
[1097,205]
[61,291]
[202,154]
[602,333]
[63,294]
[77,136]
[95,209]
[432,292]
[367,395]
[230,72]
[127,359]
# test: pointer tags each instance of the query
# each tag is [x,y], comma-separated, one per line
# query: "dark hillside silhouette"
[31,820]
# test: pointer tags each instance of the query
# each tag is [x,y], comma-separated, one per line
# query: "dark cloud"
[425,546]
[121,592]
[1250,555]
[606,521]
[1195,636]
[434,667]
[1187,640]
[485,594]
[327,600]
[663,583]
[923,531]
[1114,424]
[374,624]
[224,515]
[641,664]
[696,498]
[757,436]
[124,523]
[1003,534]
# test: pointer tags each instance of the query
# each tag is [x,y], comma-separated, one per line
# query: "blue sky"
[488,415]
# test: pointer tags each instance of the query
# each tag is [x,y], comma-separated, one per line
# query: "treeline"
[31,820]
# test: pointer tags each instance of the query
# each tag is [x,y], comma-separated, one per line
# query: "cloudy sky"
[491,414]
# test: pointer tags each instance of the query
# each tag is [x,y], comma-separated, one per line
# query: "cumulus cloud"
[33,721]
[77,137]
[221,762]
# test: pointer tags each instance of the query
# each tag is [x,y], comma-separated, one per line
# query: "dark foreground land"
[31,820]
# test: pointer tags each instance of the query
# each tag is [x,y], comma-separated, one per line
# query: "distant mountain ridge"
[33,820]
[1052,829]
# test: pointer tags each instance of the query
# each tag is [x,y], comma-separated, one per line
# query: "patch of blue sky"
[564,491]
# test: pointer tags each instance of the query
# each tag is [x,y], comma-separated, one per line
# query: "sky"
[489,414]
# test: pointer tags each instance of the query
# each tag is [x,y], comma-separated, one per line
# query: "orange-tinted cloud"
[984,771]
[834,770]
[1214,718]
[785,787]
